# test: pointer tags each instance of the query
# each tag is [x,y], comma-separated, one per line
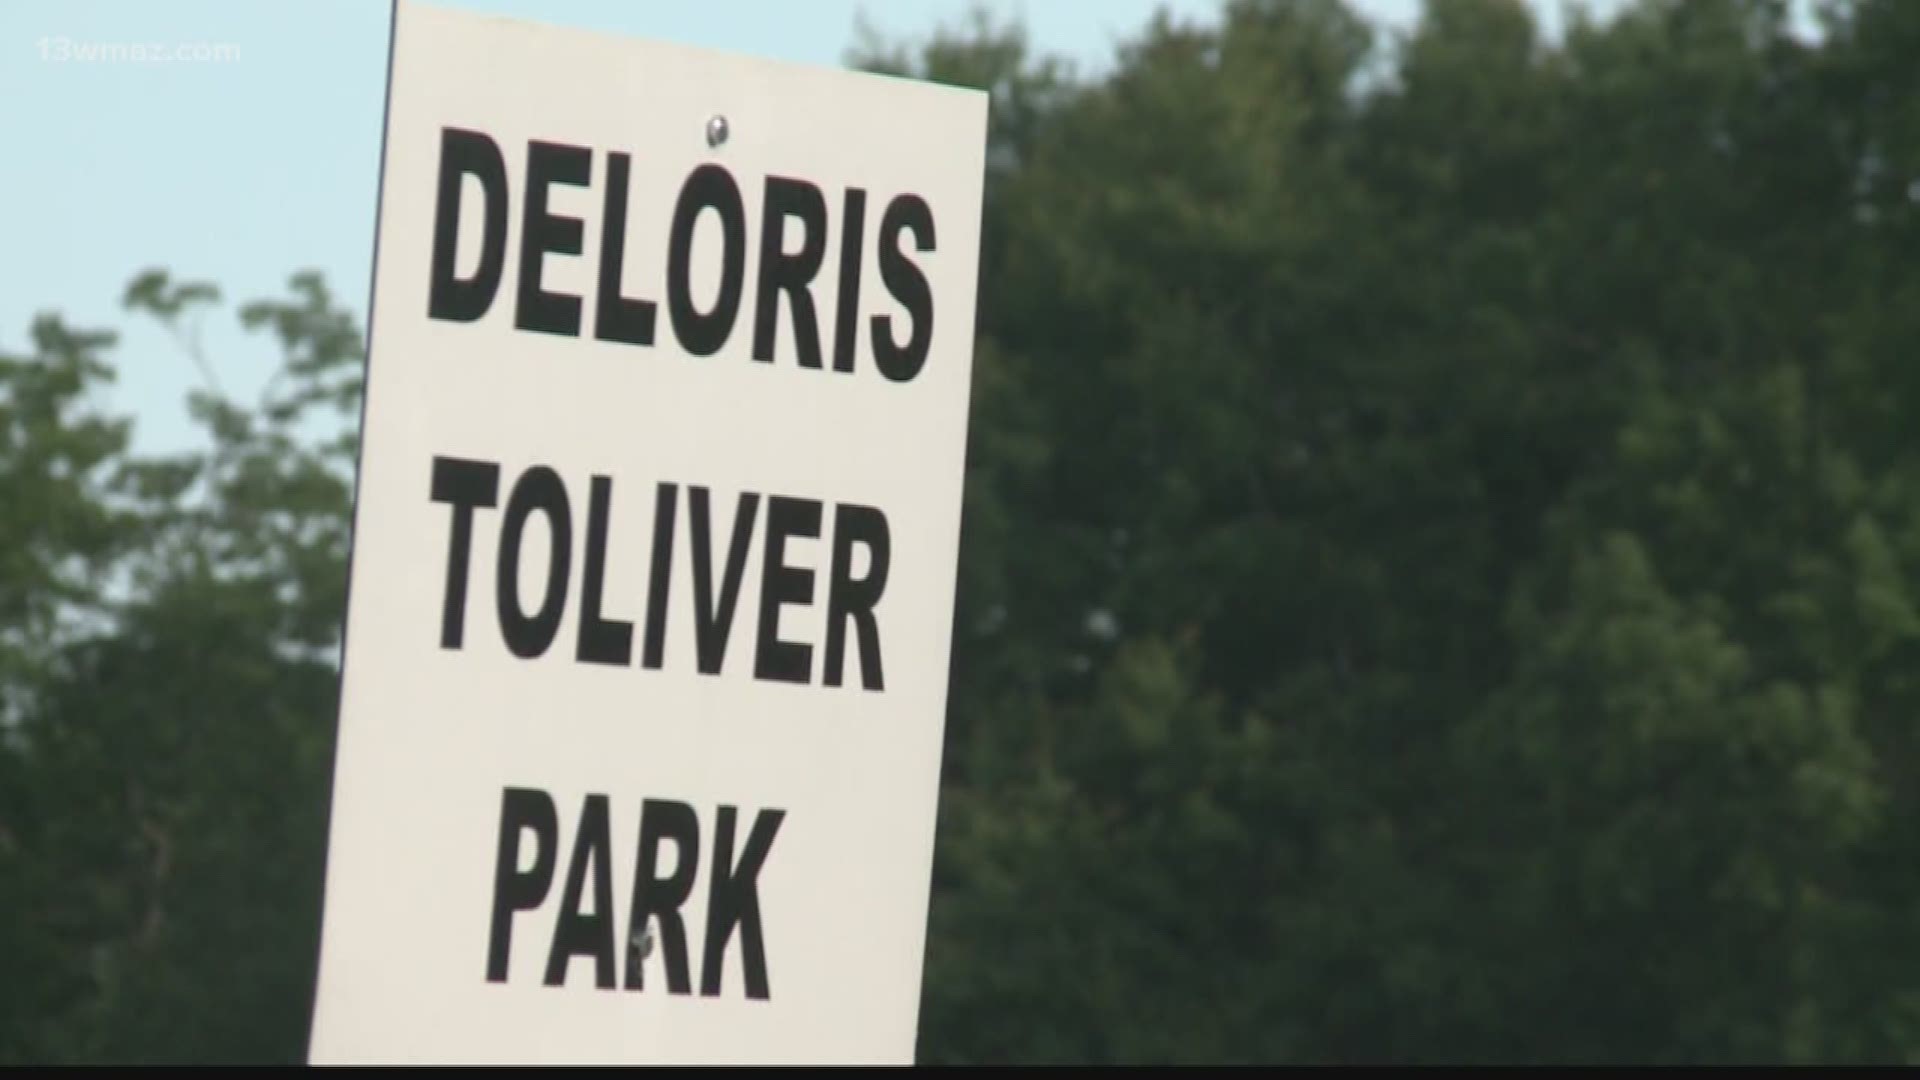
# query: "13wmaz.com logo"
[61,50]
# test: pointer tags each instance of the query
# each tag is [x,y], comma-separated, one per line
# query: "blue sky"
[243,167]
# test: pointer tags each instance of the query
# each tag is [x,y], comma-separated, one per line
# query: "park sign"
[655,537]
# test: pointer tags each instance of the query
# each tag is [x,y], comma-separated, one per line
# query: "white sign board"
[655,542]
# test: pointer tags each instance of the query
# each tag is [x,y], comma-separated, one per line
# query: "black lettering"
[539,488]
[577,933]
[602,640]
[616,317]
[707,187]
[851,598]
[542,232]
[774,659]
[791,274]
[513,889]
[462,154]
[908,285]
[658,899]
[466,485]
[713,622]
[846,322]
[660,580]
[733,899]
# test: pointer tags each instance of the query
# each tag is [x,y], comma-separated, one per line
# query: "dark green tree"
[169,768]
